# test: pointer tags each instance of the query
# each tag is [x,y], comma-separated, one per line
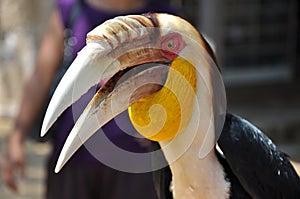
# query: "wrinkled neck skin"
[195,177]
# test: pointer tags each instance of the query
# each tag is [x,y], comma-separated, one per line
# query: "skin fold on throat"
[162,115]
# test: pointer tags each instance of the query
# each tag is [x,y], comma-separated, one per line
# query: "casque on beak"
[112,49]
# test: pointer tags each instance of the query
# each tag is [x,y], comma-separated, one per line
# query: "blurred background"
[257,43]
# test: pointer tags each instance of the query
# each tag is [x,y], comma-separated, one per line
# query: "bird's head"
[157,66]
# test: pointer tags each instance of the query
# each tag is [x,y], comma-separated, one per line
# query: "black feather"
[261,168]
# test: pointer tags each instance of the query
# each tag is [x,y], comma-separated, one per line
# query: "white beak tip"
[45,128]
[59,165]
[57,169]
[43,132]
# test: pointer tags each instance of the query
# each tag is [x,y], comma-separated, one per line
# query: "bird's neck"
[195,178]
[199,178]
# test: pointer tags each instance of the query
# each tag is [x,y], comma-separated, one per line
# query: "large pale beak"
[113,49]
[115,45]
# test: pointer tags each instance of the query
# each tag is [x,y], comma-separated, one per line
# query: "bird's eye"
[171,45]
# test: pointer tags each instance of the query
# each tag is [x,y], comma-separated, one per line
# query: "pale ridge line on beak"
[94,116]
[83,73]
[120,29]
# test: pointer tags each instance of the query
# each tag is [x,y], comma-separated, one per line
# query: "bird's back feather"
[261,168]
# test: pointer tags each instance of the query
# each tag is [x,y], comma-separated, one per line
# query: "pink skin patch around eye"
[171,45]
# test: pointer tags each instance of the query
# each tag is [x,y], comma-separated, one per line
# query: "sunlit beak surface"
[112,50]
[111,47]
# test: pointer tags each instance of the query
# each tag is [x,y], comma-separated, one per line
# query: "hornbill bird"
[159,68]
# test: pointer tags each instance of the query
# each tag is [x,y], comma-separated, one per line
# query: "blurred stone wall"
[22,23]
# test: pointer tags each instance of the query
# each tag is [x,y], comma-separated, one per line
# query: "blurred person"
[83,176]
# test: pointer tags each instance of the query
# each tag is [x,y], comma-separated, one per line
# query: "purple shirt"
[88,19]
